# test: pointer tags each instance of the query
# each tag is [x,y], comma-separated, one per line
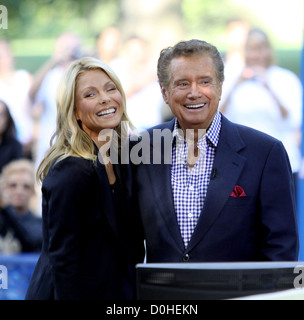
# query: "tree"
[48,18]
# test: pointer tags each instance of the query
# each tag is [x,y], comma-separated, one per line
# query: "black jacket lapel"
[229,165]
[160,177]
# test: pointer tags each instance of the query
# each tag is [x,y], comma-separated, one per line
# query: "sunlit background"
[33,25]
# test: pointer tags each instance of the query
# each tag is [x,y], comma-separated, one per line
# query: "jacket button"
[186,257]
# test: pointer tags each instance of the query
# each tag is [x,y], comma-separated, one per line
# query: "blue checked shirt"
[190,185]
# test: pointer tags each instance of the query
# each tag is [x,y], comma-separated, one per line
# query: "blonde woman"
[86,203]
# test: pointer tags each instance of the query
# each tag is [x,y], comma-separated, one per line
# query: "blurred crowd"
[261,94]
[256,93]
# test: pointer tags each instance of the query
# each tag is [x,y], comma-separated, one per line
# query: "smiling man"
[193,92]
[228,193]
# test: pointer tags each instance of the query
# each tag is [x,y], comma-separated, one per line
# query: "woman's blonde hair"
[69,139]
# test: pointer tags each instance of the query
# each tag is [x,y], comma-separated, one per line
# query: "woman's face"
[99,103]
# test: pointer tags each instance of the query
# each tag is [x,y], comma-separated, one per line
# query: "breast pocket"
[239,201]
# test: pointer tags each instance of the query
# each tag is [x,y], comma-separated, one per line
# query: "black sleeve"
[68,191]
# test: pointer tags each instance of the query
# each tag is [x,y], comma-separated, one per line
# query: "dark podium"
[213,281]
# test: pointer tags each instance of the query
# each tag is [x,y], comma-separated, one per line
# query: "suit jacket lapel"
[160,176]
[229,165]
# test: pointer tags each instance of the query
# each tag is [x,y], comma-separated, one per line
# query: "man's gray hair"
[192,47]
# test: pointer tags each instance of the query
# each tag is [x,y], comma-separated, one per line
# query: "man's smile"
[195,106]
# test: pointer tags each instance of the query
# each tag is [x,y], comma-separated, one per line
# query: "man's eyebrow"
[180,80]
[200,78]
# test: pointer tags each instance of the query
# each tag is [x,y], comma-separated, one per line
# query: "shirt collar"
[212,134]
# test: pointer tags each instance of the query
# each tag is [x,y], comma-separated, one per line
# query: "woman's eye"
[89,95]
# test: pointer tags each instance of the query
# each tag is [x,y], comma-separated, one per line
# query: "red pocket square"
[238,192]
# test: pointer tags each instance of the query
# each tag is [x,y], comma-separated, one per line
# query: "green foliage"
[209,18]
[33,25]
[48,18]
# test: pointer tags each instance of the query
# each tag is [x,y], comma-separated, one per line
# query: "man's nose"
[194,91]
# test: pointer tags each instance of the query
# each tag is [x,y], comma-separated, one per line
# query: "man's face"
[19,190]
[194,91]
[257,51]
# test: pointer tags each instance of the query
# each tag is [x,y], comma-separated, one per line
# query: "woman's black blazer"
[87,248]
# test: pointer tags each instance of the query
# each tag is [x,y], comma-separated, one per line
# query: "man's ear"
[220,92]
[164,93]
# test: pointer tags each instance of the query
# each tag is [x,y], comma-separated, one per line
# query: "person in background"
[235,35]
[139,78]
[20,228]
[10,147]
[266,97]
[88,250]
[108,46]
[220,191]
[68,47]
[14,91]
